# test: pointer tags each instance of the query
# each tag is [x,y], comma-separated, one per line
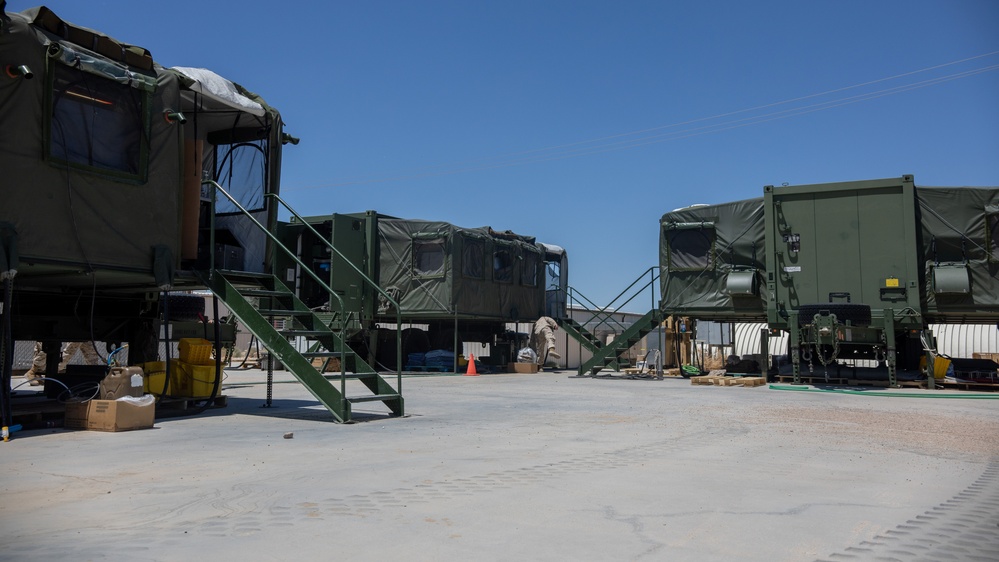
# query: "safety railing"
[216,188]
[603,315]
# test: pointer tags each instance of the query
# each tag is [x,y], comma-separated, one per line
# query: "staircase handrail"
[216,188]
[368,280]
[603,314]
[211,271]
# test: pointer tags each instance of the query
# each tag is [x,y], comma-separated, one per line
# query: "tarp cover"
[93,171]
[89,217]
[438,269]
[209,84]
[701,247]
[959,226]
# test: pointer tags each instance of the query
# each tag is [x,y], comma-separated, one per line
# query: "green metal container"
[843,243]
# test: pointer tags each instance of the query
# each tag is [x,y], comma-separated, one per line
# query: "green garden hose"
[888,394]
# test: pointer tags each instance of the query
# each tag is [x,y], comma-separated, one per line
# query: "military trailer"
[103,205]
[852,270]
[127,182]
[459,284]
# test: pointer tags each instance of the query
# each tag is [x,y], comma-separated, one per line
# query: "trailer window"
[96,124]
[691,249]
[529,269]
[242,172]
[503,264]
[473,258]
[428,258]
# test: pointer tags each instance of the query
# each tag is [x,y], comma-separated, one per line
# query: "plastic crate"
[195,351]
[192,381]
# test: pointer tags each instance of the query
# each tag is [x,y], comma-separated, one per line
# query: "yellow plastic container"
[154,376]
[195,351]
[192,381]
[940,366]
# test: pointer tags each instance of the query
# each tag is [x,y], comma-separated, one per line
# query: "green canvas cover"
[94,168]
[74,199]
[959,248]
[437,270]
[712,261]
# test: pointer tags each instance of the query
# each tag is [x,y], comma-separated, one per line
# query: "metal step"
[372,398]
[350,376]
[264,293]
[283,312]
[305,333]
[325,354]
[237,276]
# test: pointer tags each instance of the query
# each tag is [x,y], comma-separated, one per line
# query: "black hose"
[6,353]
[165,298]
[218,359]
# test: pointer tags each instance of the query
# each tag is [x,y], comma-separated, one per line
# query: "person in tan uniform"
[36,373]
[543,339]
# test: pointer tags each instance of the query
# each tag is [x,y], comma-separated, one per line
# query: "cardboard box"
[522,367]
[109,415]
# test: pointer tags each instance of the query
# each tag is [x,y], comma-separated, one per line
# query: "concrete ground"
[520,467]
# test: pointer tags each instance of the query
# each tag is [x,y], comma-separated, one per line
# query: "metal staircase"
[579,333]
[609,356]
[258,299]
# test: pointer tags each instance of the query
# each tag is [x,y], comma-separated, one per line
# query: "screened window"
[242,172]
[529,269]
[503,264]
[473,258]
[553,273]
[97,124]
[428,258]
[691,249]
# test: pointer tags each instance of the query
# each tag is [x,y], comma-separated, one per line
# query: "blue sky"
[582,122]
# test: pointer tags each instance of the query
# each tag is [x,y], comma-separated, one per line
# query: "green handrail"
[602,314]
[218,188]
[382,292]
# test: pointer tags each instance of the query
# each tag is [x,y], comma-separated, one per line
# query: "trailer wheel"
[856,314]
[185,307]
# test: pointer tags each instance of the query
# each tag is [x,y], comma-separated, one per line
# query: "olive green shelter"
[462,284]
[713,262]
[852,270]
[125,182]
[959,253]
[104,172]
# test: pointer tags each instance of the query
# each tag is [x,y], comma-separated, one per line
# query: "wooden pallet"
[787,379]
[38,414]
[964,385]
[725,380]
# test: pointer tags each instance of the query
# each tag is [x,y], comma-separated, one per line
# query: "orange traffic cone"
[470,372]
